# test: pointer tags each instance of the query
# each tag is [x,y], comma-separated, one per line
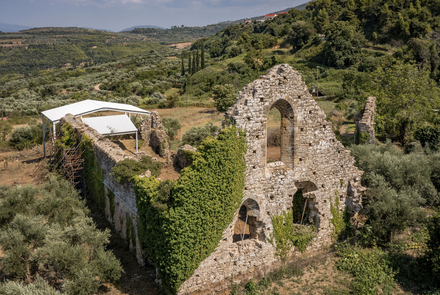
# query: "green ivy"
[124,170]
[129,231]
[282,233]
[200,205]
[93,174]
[361,137]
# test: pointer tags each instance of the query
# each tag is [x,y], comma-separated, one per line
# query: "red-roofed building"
[272,15]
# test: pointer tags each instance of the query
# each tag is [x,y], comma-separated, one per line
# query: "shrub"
[433,253]
[196,135]
[397,185]
[124,170]
[48,231]
[39,286]
[171,126]
[5,129]
[286,234]
[183,222]
[28,136]
[224,96]
[428,136]
[371,269]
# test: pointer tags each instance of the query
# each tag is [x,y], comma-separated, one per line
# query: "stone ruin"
[366,122]
[108,154]
[152,131]
[312,159]
[180,160]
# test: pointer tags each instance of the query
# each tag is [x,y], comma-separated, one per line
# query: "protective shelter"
[110,125]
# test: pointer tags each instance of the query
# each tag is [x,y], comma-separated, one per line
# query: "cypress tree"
[202,57]
[197,60]
[194,63]
[189,65]
[183,67]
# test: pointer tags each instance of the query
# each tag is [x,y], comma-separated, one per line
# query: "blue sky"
[117,15]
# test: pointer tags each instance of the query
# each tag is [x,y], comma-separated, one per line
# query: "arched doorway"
[247,224]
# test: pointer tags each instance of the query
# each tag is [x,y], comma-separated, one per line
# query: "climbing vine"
[129,231]
[182,223]
[340,221]
[93,174]
[287,234]
[361,137]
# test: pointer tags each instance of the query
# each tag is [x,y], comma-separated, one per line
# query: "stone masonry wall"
[366,123]
[311,158]
[108,154]
[152,132]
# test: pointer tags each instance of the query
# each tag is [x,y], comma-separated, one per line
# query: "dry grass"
[191,117]
[327,106]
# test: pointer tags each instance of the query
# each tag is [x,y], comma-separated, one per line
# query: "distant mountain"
[141,27]
[8,28]
[302,6]
[299,7]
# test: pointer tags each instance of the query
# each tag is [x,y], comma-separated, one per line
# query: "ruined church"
[312,159]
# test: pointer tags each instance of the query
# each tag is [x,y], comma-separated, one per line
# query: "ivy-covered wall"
[182,225]
[117,201]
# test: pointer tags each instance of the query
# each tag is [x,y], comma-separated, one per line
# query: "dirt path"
[96,87]
[180,45]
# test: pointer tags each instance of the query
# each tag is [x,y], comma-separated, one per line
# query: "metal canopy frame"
[94,107]
[97,123]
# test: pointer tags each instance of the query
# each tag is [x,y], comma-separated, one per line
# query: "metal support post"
[44,136]
[136,141]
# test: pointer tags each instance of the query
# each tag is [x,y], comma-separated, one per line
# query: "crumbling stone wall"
[108,154]
[311,158]
[181,160]
[366,122]
[152,132]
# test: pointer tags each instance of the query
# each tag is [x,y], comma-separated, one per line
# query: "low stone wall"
[108,154]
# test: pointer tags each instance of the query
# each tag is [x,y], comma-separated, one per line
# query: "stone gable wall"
[311,158]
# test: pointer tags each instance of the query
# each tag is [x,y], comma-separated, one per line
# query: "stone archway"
[248,224]
[286,131]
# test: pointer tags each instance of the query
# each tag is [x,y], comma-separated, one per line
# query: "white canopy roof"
[111,125]
[90,106]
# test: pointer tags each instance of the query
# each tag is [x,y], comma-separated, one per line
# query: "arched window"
[280,133]
[273,153]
